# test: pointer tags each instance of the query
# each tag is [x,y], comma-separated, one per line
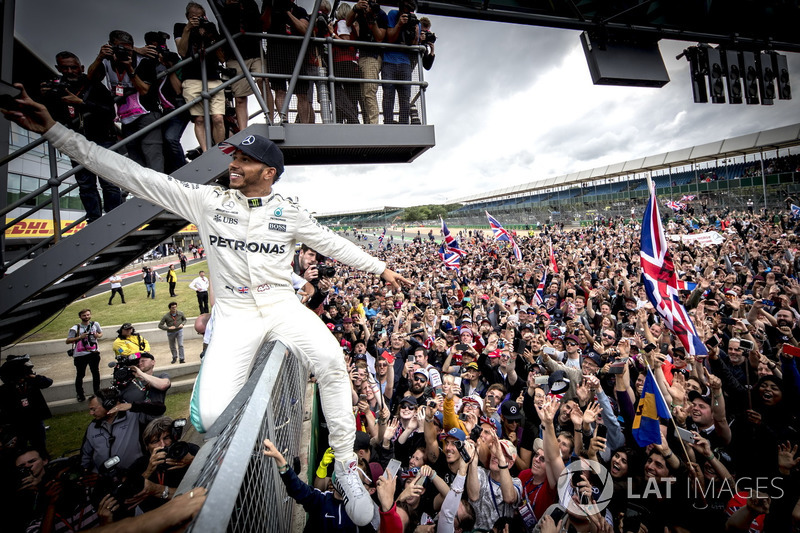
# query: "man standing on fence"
[250,259]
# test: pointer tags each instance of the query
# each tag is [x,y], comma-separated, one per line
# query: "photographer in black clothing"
[87,107]
[308,264]
[21,402]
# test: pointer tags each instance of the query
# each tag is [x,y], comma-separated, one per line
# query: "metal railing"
[245,492]
[49,195]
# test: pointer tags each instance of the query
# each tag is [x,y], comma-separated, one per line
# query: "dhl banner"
[33,228]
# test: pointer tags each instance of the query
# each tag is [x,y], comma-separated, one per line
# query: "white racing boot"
[357,503]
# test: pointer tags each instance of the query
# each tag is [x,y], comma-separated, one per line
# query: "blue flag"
[651,407]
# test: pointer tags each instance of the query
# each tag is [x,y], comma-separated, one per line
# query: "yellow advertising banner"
[33,228]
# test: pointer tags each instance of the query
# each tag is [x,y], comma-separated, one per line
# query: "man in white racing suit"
[250,234]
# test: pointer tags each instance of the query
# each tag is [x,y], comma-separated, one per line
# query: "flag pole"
[672,416]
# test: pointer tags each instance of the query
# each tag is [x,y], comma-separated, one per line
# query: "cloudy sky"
[510,104]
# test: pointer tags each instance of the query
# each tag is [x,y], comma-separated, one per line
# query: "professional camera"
[57,86]
[121,53]
[326,271]
[427,36]
[119,483]
[207,24]
[409,31]
[123,374]
[226,73]
[178,449]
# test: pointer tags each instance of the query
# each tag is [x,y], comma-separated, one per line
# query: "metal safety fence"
[245,492]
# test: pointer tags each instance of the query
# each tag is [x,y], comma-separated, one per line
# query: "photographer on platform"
[372,23]
[397,65]
[192,39]
[86,106]
[137,105]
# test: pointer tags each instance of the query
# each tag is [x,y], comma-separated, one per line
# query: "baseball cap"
[347,320]
[694,395]
[509,449]
[338,328]
[361,442]
[456,434]
[423,372]
[360,357]
[510,410]
[259,148]
[410,400]
[558,382]
[126,325]
[572,338]
[469,366]
[594,358]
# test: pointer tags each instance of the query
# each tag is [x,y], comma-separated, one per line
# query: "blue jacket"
[325,513]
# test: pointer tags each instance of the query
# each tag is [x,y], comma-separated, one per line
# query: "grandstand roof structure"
[362,211]
[751,143]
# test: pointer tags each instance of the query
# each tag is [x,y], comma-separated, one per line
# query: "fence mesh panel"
[253,496]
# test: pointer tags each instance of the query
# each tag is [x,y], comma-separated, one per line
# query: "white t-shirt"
[116,281]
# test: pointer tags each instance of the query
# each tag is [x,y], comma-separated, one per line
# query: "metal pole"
[332,87]
[6,70]
[299,64]
[204,94]
[763,179]
[54,183]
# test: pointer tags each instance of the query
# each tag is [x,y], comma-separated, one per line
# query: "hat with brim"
[259,148]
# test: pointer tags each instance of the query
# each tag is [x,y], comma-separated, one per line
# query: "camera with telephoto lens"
[409,31]
[121,484]
[121,53]
[178,449]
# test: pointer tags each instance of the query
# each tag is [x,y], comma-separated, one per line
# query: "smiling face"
[619,465]
[656,467]
[249,176]
[770,393]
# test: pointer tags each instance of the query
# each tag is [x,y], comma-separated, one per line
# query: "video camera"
[123,374]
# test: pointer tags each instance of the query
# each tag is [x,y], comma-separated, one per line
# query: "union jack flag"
[380,239]
[450,242]
[538,296]
[553,258]
[795,211]
[661,281]
[500,234]
[452,261]
[686,285]
[688,197]
[675,206]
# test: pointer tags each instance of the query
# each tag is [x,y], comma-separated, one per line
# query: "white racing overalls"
[250,244]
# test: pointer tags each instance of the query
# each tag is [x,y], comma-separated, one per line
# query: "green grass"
[66,431]
[138,308]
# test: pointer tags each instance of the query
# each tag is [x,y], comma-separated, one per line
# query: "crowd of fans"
[480,409]
[494,405]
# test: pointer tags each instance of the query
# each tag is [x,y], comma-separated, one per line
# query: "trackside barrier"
[245,492]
